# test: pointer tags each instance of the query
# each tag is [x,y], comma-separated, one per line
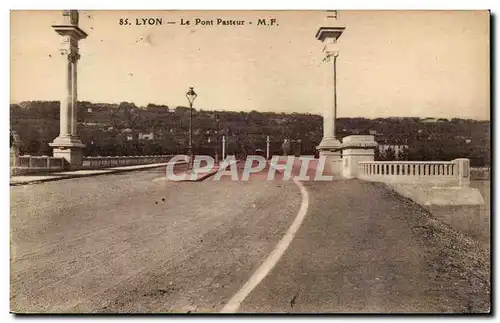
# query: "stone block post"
[462,167]
[356,148]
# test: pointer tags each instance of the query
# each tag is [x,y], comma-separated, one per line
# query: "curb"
[213,173]
[114,171]
[207,175]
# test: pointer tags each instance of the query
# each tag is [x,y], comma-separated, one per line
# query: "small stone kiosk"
[68,145]
[356,148]
[330,146]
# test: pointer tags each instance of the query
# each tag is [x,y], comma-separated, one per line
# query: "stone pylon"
[330,146]
[67,144]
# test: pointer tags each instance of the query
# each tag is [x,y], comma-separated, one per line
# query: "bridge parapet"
[439,173]
[112,161]
[33,164]
[28,164]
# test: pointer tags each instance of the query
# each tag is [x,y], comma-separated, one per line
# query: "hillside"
[125,129]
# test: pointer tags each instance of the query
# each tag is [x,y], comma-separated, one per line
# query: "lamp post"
[191,96]
[267,147]
[216,138]
[223,147]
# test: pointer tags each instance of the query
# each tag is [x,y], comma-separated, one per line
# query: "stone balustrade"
[114,161]
[32,164]
[443,173]
[36,164]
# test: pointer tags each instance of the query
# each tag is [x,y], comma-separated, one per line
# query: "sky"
[391,63]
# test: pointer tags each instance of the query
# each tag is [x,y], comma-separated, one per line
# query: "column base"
[329,144]
[330,148]
[333,162]
[69,148]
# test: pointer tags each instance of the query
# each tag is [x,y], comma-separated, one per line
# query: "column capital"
[70,30]
[325,33]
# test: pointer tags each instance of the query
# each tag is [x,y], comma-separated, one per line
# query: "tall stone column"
[330,146]
[67,144]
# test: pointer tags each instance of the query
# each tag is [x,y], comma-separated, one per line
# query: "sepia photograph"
[250,161]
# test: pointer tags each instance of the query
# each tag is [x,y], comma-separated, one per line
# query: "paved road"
[127,243]
[117,246]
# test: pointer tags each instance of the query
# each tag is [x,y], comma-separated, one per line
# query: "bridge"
[133,242]
[115,235]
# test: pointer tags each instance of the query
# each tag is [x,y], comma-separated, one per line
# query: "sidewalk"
[39,178]
[363,248]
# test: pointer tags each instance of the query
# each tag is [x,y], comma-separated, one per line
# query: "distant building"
[427,120]
[129,134]
[382,148]
[146,136]
[279,120]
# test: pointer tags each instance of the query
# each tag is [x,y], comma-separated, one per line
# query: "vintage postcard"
[177,161]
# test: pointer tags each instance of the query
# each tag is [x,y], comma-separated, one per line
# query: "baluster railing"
[414,171]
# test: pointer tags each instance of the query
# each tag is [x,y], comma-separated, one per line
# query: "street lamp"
[216,138]
[191,95]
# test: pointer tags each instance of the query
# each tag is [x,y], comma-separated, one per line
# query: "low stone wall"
[459,207]
[479,173]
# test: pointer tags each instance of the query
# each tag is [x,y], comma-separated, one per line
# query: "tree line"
[113,130]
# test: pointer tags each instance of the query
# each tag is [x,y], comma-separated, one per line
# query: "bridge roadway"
[125,243]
